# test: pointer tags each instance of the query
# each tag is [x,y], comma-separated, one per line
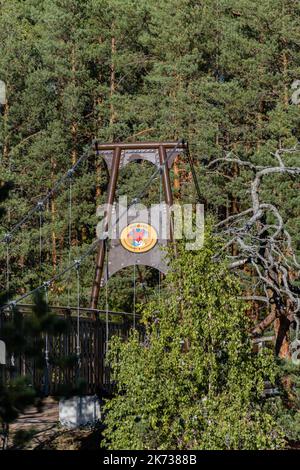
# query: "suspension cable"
[52,279]
[106,298]
[134,293]
[40,242]
[70,234]
[194,175]
[159,286]
[7,269]
[154,175]
[160,227]
[49,195]
[78,349]
[46,384]
[96,242]
[66,176]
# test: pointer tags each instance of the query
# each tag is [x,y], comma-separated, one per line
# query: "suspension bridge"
[90,329]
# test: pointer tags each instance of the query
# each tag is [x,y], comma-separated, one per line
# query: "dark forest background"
[217,73]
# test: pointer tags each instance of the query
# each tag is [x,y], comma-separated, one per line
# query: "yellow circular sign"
[138,237]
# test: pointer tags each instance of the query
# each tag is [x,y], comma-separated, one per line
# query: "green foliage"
[218,73]
[14,398]
[23,335]
[18,393]
[23,436]
[195,382]
[286,406]
[4,192]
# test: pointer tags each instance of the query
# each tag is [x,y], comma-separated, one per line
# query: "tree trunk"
[53,235]
[281,328]
[177,178]
[5,143]
[285,79]
[112,119]
[53,218]
[74,126]
[98,125]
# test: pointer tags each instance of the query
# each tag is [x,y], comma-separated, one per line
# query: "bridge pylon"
[136,241]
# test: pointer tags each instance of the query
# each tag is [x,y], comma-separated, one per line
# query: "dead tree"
[263,244]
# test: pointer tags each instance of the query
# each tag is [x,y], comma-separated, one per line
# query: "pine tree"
[18,394]
[223,81]
[22,336]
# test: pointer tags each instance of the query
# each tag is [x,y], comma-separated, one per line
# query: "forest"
[224,75]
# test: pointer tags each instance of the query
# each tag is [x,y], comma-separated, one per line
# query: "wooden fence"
[65,369]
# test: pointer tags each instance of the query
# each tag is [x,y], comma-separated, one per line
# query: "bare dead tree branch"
[262,240]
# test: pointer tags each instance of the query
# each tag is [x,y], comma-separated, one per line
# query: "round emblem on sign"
[138,237]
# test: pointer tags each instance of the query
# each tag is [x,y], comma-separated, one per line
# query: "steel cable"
[94,244]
